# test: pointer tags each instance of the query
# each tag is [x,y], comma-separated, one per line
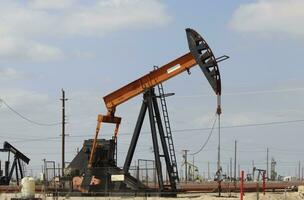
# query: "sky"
[93,48]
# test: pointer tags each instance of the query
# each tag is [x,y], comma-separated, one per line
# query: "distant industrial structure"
[94,171]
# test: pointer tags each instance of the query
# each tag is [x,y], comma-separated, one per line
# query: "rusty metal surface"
[193,187]
[229,186]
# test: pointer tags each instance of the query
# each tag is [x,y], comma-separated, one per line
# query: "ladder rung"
[168,134]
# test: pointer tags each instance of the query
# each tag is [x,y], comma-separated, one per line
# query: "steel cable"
[208,138]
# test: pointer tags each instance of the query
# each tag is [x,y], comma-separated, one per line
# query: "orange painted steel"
[106,119]
[149,80]
[137,87]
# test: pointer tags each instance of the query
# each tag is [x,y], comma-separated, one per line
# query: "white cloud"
[25,26]
[18,49]
[112,15]
[269,17]
[42,52]
[24,99]
[51,4]
[205,120]
[239,119]
[7,74]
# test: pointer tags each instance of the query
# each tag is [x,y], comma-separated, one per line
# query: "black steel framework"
[18,157]
[168,132]
[150,103]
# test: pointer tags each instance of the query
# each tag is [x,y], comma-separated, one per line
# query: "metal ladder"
[168,133]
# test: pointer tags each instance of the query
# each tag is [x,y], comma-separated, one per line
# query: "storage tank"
[28,187]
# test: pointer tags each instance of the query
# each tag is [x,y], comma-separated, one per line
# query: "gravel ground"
[190,196]
[248,196]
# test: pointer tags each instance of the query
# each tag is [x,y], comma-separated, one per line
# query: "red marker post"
[264,182]
[242,185]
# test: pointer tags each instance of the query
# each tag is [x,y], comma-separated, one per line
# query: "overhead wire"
[253,92]
[209,128]
[189,130]
[26,118]
[198,95]
[38,139]
[264,124]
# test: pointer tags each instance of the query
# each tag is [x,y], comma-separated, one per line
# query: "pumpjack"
[96,163]
[8,172]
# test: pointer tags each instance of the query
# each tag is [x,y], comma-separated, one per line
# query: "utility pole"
[63,99]
[253,169]
[44,173]
[185,155]
[299,170]
[235,161]
[208,170]
[58,169]
[230,173]
[239,170]
[267,167]
[193,170]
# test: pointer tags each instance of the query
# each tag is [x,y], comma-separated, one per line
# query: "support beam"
[150,103]
[164,143]
[135,136]
[155,143]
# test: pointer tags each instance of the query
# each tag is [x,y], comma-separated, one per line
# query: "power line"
[38,139]
[265,124]
[193,129]
[244,125]
[25,118]
[245,93]
[206,129]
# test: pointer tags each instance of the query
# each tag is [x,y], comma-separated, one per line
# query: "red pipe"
[242,185]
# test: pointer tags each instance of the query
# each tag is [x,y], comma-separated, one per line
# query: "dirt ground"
[189,196]
[247,196]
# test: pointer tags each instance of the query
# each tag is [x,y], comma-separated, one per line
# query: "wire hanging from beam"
[208,138]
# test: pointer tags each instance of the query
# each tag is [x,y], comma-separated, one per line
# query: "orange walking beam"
[150,80]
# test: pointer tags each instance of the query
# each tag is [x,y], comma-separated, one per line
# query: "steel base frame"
[150,103]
